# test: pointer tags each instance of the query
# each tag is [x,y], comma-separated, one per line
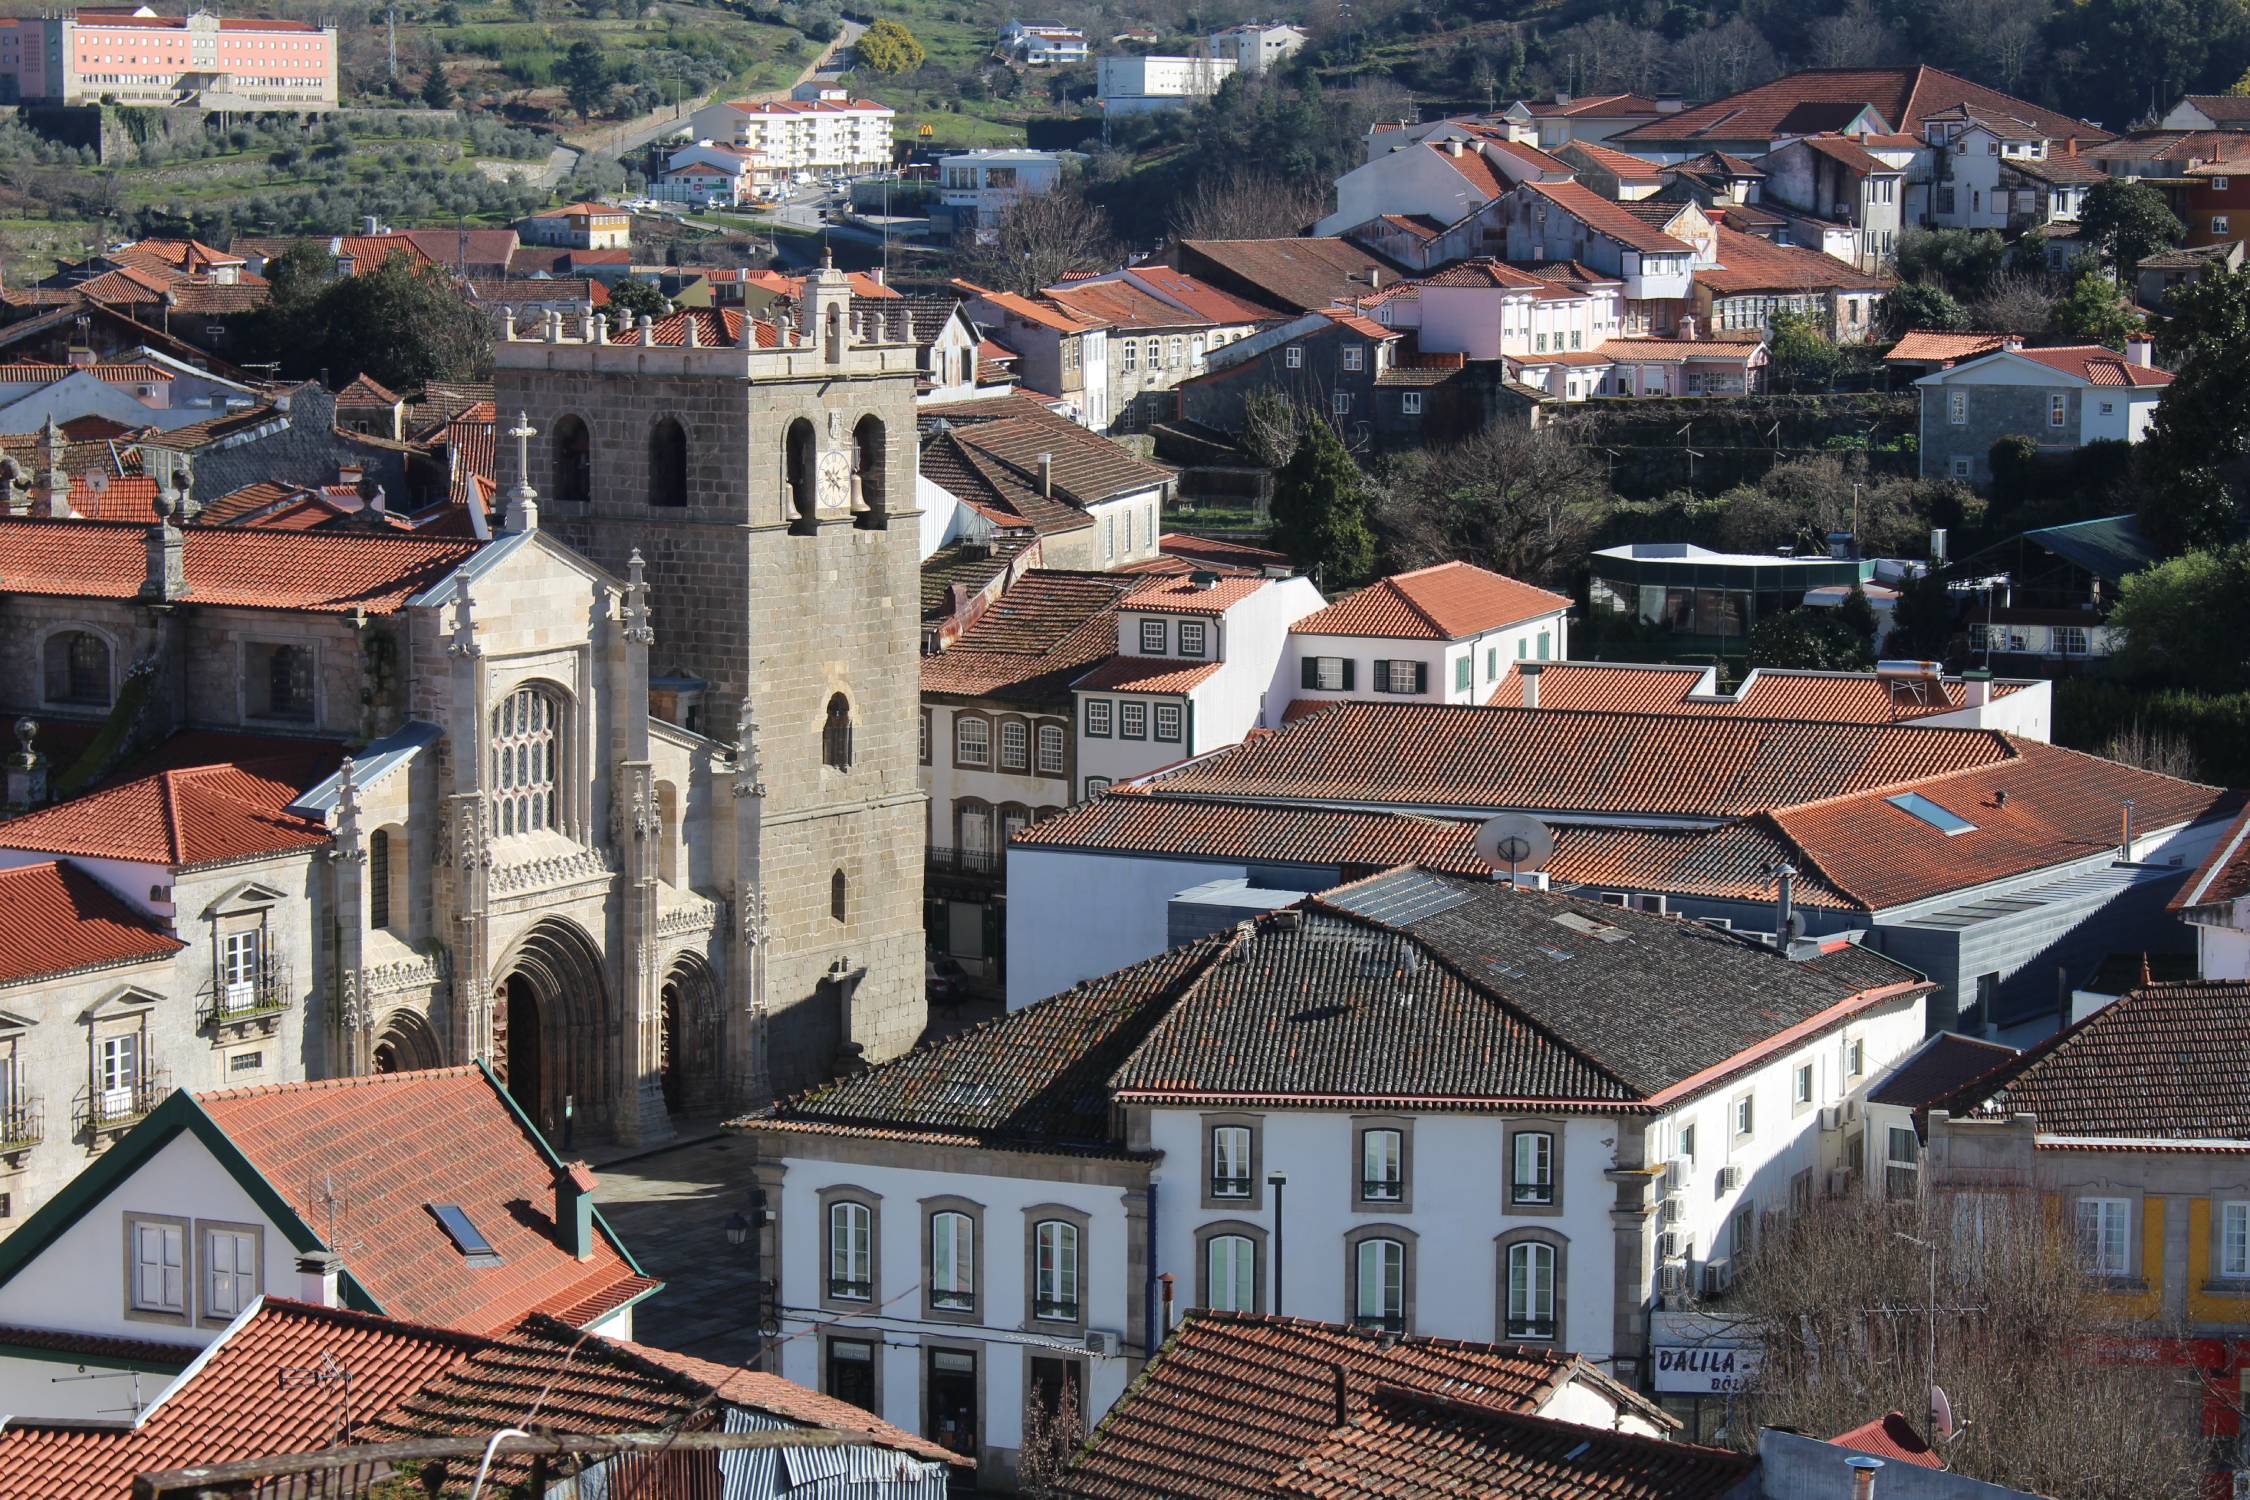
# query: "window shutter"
[1349,667]
[1382,680]
[1309,673]
[1421,677]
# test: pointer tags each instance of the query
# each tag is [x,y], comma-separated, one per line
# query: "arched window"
[1051,762]
[526,730]
[1379,1299]
[953,1271]
[836,734]
[839,896]
[870,505]
[77,668]
[1231,1277]
[1531,1290]
[1055,1271]
[800,477]
[851,1252]
[574,461]
[835,334]
[667,463]
[379,878]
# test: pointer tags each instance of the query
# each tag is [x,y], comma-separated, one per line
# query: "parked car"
[947,981]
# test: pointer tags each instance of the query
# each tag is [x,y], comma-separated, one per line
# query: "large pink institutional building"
[140,57]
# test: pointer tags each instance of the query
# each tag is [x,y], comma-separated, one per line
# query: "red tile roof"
[2166,1062]
[1295,835]
[1483,273]
[320,572]
[1220,553]
[1469,163]
[1749,264]
[1426,1443]
[1892,1438]
[1596,104]
[1767,693]
[1034,640]
[366,390]
[1822,98]
[1200,296]
[1042,313]
[580,1383]
[1624,166]
[1428,755]
[57,919]
[1183,596]
[2042,806]
[2224,876]
[1441,603]
[1607,218]
[1674,351]
[235,1405]
[1921,346]
[1123,306]
[401,1142]
[1146,674]
[205,815]
[1849,154]
[1233,1402]
[1299,274]
[2096,364]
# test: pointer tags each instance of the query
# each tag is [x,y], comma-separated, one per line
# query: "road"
[631,135]
[671,1210]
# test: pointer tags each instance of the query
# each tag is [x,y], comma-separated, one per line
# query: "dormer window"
[1153,638]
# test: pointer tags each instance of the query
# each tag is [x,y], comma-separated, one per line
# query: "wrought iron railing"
[267,992]
[954,861]
[108,1108]
[21,1126]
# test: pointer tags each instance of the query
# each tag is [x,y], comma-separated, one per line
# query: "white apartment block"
[834,133]
[1033,42]
[1256,46]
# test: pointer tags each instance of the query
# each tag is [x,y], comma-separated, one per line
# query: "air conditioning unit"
[1675,1176]
[1671,1281]
[1730,1178]
[1671,1245]
[1851,1110]
[1724,924]
[1718,1275]
[1104,1342]
[1616,898]
[1831,1117]
[1839,1181]
[1654,904]
[1672,1209]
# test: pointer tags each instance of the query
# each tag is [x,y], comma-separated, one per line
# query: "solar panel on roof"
[466,1237]
[1404,898]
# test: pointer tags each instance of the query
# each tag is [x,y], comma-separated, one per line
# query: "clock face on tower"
[835,479]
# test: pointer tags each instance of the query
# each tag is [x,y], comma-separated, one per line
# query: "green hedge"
[2092,712]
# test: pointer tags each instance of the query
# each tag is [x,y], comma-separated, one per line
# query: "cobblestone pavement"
[671,1209]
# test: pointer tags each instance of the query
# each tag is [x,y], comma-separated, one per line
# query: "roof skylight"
[1914,804]
[466,1237]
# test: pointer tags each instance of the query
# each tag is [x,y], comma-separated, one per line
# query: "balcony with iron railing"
[121,1106]
[21,1127]
[977,864]
[250,1006]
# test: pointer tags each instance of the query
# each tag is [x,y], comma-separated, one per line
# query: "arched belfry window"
[667,463]
[574,461]
[870,506]
[800,476]
[839,896]
[836,734]
[526,756]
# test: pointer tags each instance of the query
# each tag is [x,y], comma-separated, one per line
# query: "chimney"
[1343,1395]
[574,1208]
[1201,580]
[1976,688]
[2012,343]
[319,1273]
[167,550]
[369,224]
[2070,146]
[1374,278]
[1562,96]
[1669,103]
[81,356]
[1529,671]
[1165,1281]
[875,274]
[2125,841]
[1687,329]
[1783,874]
[350,474]
[1863,1470]
[1047,476]
[2140,350]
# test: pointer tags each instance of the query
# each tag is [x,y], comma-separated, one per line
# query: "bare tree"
[1517,501]
[1725,58]
[1853,37]
[2013,302]
[2155,750]
[1858,1302]
[1247,203]
[1049,1440]
[1039,239]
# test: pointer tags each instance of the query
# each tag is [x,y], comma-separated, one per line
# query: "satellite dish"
[1941,1413]
[1515,842]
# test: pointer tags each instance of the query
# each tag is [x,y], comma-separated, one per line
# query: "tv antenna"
[1517,840]
[324,1375]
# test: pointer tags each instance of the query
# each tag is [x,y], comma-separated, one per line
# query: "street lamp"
[738,1230]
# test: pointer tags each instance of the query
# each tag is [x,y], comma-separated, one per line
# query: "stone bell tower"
[765,470]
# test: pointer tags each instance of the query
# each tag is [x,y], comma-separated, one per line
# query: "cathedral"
[622,801]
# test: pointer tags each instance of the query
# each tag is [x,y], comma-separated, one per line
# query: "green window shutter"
[1421,677]
[1309,672]
[1382,681]
[1350,667]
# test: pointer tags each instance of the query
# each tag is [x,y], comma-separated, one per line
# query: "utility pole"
[393,24]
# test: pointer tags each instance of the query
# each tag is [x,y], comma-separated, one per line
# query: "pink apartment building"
[140,57]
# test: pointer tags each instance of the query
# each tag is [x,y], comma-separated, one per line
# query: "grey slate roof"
[1407,988]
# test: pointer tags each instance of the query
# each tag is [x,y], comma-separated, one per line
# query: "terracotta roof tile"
[1848,153]
[1219,552]
[1675,351]
[1123,306]
[1620,105]
[1622,165]
[1749,264]
[2224,876]
[1608,218]
[1294,835]
[1200,296]
[1234,1401]
[1939,1067]
[234,1405]
[324,573]
[184,818]
[366,390]
[1184,596]
[57,919]
[583,1383]
[1732,862]
[2096,364]
[1892,1438]
[1470,165]
[1427,755]
[1087,468]
[1301,275]
[1426,1443]
[465,1145]
[2168,1061]
[1921,346]
[1903,96]
[1442,603]
[1034,640]
[1144,674]
[1767,693]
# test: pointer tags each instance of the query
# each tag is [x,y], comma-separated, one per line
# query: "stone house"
[1060,352]
[1840,186]
[2061,398]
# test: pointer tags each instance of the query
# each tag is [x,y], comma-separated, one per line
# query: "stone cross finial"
[464,642]
[523,500]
